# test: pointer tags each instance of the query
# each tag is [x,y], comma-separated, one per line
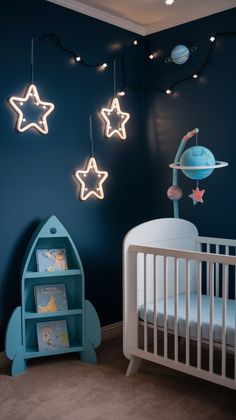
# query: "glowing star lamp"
[107,114]
[32,96]
[81,178]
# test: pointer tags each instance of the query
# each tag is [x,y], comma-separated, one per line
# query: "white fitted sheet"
[205,317]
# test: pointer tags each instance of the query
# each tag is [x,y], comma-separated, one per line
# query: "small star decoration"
[107,114]
[32,96]
[81,178]
[197,195]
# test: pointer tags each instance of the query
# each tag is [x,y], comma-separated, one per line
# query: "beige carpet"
[64,388]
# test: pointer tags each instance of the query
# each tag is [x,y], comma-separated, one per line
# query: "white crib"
[177,306]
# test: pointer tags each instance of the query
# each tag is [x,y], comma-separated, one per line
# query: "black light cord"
[122,56]
[56,38]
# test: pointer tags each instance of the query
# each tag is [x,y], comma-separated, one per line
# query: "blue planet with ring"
[198,156]
[180,54]
[198,163]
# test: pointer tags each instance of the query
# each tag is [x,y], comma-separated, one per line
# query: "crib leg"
[134,365]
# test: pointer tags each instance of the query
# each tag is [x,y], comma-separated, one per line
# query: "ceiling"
[146,16]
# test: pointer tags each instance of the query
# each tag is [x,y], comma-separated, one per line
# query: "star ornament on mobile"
[197,195]
[100,176]
[115,111]
[31,97]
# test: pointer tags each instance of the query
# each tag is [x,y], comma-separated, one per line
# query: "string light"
[124,54]
[122,93]
[195,76]
[78,58]
[169,2]
[33,96]
[168,91]
[104,66]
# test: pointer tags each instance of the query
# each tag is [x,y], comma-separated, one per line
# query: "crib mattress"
[205,317]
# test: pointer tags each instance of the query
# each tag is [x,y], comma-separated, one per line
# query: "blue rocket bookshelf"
[83,324]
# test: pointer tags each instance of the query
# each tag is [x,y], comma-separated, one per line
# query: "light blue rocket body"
[83,324]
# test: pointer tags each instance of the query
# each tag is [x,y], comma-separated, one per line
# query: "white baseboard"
[112,331]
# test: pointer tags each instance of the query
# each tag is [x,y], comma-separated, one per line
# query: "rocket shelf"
[83,326]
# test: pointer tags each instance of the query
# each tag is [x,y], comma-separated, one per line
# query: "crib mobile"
[197,163]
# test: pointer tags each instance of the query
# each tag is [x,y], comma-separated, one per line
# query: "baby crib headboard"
[161,233]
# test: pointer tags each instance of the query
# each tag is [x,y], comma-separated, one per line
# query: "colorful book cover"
[51,259]
[50,298]
[52,335]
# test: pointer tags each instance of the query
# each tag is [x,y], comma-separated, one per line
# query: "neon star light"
[81,178]
[33,96]
[107,114]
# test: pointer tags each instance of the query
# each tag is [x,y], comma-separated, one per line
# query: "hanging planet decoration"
[174,193]
[196,163]
[198,156]
[180,54]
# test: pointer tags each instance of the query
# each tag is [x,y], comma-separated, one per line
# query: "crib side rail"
[190,255]
[215,241]
[175,325]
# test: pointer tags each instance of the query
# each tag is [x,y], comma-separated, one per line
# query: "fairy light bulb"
[104,66]
[169,2]
[212,38]
[195,76]
[122,93]
[168,91]
[78,59]
[135,42]
[151,56]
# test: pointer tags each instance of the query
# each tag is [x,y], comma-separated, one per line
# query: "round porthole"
[53,230]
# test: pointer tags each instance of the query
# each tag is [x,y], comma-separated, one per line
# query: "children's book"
[52,335]
[51,259]
[50,298]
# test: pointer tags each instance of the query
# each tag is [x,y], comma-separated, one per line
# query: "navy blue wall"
[207,103]
[36,170]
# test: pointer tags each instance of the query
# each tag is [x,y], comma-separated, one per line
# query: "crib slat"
[176,292]
[235,322]
[187,302]
[145,300]
[155,302]
[211,326]
[199,305]
[227,283]
[207,271]
[165,307]
[217,274]
[224,303]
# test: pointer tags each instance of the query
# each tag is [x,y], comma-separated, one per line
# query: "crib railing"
[157,274]
[216,246]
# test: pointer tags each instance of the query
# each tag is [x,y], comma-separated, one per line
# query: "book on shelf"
[50,298]
[51,259]
[52,335]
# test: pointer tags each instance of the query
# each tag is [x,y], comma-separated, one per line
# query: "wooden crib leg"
[134,365]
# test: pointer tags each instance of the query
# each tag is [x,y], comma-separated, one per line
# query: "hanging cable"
[32,61]
[91,133]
